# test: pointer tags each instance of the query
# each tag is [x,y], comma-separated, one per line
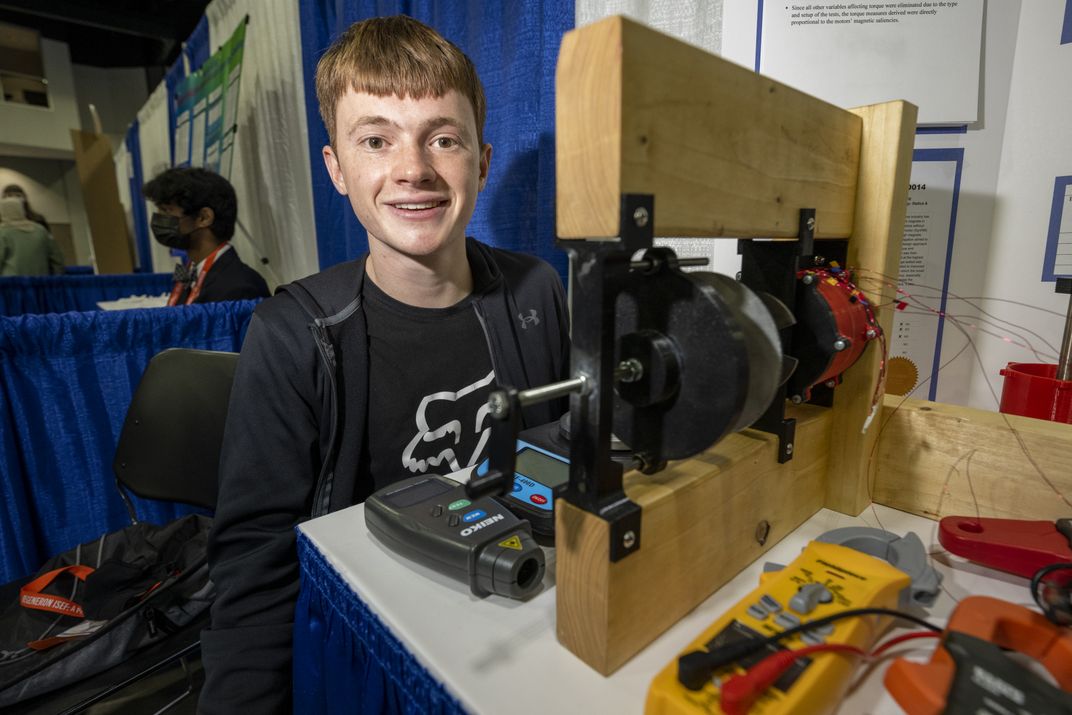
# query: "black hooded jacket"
[294,443]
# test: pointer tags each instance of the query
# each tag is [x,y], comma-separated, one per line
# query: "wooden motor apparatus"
[656,137]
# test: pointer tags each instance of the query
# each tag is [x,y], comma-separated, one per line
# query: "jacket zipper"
[322,494]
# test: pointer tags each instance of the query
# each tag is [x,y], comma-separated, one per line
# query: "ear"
[331,162]
[205,217]
[485,165]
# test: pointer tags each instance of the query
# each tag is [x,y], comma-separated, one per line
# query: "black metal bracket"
[502,447]
[600,269]
[774,270]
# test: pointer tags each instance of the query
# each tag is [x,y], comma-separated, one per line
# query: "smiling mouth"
[419,206]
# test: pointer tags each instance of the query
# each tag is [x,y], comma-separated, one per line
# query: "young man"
[380,368]
[195,212]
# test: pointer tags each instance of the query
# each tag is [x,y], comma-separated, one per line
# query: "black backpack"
[96,605]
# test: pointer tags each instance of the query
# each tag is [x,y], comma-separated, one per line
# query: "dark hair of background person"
[192,189]
[16,190]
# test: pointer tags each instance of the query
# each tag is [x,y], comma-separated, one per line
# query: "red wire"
[740,692]
[897,640]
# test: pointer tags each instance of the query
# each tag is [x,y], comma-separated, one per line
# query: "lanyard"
[176,290]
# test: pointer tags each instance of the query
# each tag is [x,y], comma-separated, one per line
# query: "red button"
[538,499]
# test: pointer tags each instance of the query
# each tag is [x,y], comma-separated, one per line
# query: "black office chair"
[169,449]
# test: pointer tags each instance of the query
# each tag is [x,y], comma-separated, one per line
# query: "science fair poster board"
[851,54]
[206,106]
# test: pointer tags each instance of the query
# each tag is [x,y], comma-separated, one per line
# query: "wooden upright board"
[112,248]
[725,152]
[874,251]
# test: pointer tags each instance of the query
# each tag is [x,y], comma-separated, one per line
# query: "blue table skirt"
[20,295]
[345,659]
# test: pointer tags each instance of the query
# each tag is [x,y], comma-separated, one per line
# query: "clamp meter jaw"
[430,520]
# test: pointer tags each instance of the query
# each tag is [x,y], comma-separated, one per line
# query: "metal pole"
[1064,366]
[550,392]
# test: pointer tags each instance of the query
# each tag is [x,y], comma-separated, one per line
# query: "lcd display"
[545,470]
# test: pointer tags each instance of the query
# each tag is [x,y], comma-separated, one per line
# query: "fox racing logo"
[450,431]
[531,319]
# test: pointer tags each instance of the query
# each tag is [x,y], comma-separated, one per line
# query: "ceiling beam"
[95,15]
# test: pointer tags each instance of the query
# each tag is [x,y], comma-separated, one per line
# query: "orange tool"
[970,669]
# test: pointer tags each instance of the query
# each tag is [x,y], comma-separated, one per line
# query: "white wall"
[117,93]
[44,130]
[975,238]
[1037,147]
[35,145]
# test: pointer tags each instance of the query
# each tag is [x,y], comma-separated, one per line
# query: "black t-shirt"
[430,374]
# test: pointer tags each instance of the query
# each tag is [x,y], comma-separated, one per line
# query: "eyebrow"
[375,120]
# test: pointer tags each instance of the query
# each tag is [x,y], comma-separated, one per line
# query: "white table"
[496,655]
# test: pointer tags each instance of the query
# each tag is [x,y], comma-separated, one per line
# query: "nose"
[414,166]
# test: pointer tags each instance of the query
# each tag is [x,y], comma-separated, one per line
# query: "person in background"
[14,190]
[195,212]
[26,249]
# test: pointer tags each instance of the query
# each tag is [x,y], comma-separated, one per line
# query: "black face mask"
[165,230]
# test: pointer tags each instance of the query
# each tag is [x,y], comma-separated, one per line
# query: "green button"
[460,504]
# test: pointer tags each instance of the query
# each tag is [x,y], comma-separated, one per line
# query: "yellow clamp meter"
[824,580]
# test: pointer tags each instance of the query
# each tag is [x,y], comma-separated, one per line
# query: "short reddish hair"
[399,56]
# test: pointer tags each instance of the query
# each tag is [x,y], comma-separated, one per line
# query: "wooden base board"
[938,460]
[697,532]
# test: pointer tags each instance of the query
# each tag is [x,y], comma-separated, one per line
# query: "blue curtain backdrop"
[514,47]
[59,294]
[65,384]
[137,203]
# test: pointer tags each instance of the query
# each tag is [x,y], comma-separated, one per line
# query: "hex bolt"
[871,333]
[629,370]
[762,532]
[498,405]
[808,279]
[811,224]
[640,217]
[831,384]
[796,399]
[820,260]
[629,539]
[789,448]
[840,344]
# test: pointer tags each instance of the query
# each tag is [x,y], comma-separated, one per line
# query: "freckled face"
[412,169]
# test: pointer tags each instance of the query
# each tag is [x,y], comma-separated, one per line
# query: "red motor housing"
[835,322]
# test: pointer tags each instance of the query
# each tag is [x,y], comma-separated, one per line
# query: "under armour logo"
[531,319]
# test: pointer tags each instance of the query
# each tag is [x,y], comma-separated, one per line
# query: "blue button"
[517,486]
[473,516]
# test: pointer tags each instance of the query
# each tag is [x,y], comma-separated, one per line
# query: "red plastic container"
[1033,390]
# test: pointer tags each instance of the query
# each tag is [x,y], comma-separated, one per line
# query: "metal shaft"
[1064,365]
[550,392]
[646,263]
